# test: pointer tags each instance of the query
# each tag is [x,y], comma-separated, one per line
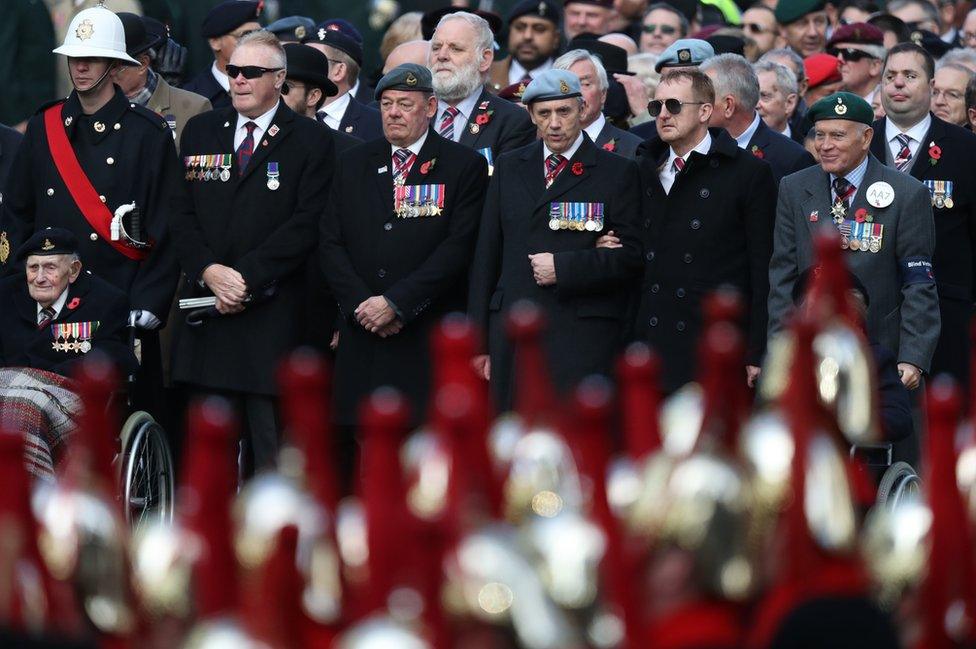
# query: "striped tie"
[246,149]
[554,164]
[401,165]
[904,158]
[677,165]
[45,317]
[446,129]
[843,189]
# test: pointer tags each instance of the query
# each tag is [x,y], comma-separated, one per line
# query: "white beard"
[455,86]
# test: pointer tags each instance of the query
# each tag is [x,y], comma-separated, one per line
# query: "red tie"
[246,149]
[446,128]
[678,165]
[554,164]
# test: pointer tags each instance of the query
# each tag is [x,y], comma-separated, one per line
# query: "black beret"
[539,8]
[329,33]
[228,16]
[309,65]
[614,58]
[50,241]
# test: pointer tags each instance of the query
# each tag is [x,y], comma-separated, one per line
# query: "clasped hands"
[377,316]
[228,286]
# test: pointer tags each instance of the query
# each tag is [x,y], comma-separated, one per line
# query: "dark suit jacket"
[782,154]
[90,299]
[624,143]
[585,310]
[508,127]
[419,264]
[364,95]
[206,86]
[265,234]
[9,141]
[715,228]
[954,260]
[361,121]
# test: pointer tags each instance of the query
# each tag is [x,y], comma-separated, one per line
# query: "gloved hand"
[171,62]
[144,319]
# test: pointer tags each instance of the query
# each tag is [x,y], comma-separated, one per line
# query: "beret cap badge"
[840,108]
[684,55]
[411,80]
[542,9]
[563,87]
[47,245]
[300,31]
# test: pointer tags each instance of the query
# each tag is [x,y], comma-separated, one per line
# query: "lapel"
[428,151]
[818,200]
[225,135]
[566,180]
[467,137]
[78,291]
[921,166]
[350,116]
[383,157]
[26,306]
[605,135]
[879,143]
[760,139]
[161,99]
[530,170]
[283,120]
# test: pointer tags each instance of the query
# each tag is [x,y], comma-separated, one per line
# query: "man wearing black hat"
[460,57]
[223,27]
[60,313]
[342,111]
[244,224]
[534,28]
[887,231]
[396,243]
[143,86]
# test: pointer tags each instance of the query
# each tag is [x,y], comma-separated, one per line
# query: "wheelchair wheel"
[900,483]
[147,479]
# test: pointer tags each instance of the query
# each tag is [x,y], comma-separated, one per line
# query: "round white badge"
[880,194]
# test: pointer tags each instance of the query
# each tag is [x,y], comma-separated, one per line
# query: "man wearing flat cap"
[534,28]
[460,58]
[223,28]
[342,111]
[860,49]
[885,226]
[803,25]
[396,244]
[145,87]
[60,313]
[547,205]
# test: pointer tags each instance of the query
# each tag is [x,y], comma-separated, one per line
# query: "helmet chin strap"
[95,86]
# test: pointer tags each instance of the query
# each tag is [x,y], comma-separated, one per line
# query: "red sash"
[79,186]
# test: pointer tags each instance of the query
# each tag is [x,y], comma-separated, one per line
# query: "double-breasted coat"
[585,310]
[419,264]
[263,226]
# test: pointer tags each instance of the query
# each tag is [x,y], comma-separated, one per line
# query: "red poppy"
[610,146]
[577,168]
[481,119]
[73,304]
[756,151]
[935,152]
[860,215]
[427,166]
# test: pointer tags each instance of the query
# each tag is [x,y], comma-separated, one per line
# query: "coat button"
[695,224]
[680,292]
[655,288]
[93,236]
[387,226]
[110,161]
[101,198]
[117,126]
[381,272]
[713,163]
[652,321]
[687,258]
[650,256]
[680,326]
[650,192]
[647,223]
[704,193]
[50,191]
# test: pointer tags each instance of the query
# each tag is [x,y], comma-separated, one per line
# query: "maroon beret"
[860,33]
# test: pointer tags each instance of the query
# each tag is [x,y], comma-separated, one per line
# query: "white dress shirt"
[743,139]
[57,306]
[916,133]
[465,106]
[334,111]
[668,173]
[263,122]
[568,153]
[593,130]
[516,72]
[413,148]
[221,78]
[855,177]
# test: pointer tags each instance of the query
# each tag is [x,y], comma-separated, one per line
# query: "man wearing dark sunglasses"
[244,223]
[759,24]
[708,222]
[224,27]
[860,49]
[662,25]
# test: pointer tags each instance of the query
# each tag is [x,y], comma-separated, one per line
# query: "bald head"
[622,41]
[409,52]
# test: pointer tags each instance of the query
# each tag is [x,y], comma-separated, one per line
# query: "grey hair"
[269,41]
[960,56]
[785,79]
[735,77]
[484,40]
[959,67]
[793,57]
[927,7]
[571,57]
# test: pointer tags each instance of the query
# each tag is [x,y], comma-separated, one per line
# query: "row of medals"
[413,210]
[941,201]
[566,224]
[69,345]
[849,243]
[210,173]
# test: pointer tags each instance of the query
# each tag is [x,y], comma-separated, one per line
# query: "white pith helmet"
[96,32]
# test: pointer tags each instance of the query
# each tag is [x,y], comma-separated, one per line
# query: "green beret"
[408,76]
[842,105]
[788,11]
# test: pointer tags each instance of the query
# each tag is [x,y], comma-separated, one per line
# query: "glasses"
[755,28]
[249,71]
[667,30]
[850,54]
[967,37]
[673,105]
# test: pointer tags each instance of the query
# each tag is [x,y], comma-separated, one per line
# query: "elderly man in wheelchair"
[49,322]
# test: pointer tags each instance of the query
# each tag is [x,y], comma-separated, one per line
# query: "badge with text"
[273,173]
[413,201]
[576,216]
[880,194]
[941,191]
[73,336]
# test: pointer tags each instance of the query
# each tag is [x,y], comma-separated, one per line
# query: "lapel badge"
[880,194]
[474,128]
[349,129]
[99,127]
[814,216]
[68,120]
[273,130]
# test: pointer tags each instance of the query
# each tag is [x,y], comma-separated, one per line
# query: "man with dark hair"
[940,155]
[708,222]
[307,83]
[534,36]
[759,24]
[661,26]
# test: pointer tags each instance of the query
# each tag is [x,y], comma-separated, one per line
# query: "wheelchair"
[898,482]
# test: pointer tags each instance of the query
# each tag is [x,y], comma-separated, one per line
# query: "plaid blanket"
[44,407]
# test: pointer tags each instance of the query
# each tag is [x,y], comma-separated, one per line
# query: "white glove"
[144,319]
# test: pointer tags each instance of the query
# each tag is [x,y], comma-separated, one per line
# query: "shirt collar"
[337,108]
[355,87]
[222,79]
[58,303]
[702,148]
[916,132]
[466,105]
[594,129]
[263,121]
[788,132]
[569,153]
[746,135]
[854,176]
[413,148]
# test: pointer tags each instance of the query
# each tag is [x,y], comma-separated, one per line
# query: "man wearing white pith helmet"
[104,169]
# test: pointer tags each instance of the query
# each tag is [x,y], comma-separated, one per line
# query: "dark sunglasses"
[249,71]
[664,29]
[673,105]
[849,54]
